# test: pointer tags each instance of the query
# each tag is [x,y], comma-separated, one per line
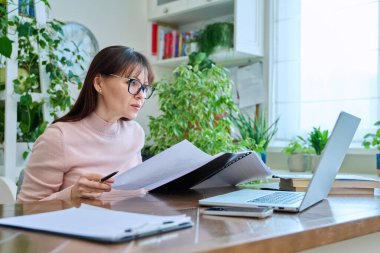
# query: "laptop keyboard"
[280,197]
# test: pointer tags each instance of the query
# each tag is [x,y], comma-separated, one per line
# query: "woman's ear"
[98,83]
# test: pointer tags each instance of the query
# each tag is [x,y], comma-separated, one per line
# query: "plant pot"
[263,156]
[378,164]
[315,159]
[299,162]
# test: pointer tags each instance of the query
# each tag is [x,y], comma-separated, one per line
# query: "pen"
[108,176]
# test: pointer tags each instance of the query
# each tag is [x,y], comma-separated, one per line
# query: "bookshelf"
[185,15]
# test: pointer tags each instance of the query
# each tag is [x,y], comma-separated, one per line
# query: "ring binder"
[184,166]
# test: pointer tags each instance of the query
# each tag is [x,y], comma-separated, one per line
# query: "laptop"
[320,184]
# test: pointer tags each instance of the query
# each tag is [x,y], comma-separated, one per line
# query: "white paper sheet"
[97,223]
[183,158]
[246,169]
[166,166]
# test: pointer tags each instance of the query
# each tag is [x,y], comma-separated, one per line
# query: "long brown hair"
[119,60]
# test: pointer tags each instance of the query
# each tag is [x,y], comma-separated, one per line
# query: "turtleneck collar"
[101,126]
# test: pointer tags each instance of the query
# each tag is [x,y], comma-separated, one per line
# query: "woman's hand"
[89,186]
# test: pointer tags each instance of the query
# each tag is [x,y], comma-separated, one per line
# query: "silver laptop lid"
[331,159]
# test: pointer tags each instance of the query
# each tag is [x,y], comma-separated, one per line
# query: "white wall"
[113,22]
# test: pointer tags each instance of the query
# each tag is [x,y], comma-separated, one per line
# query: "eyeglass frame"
[130,79]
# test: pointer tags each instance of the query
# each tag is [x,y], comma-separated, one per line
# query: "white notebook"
[100,224]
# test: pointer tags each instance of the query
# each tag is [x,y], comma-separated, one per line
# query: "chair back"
[8,191]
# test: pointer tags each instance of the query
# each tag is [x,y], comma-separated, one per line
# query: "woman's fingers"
[90,195]
[83,188]
[85,182]
[109,181]
[89,186]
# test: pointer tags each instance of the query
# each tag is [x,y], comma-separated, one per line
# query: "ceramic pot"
[315,159]
[378,164]
[299,162]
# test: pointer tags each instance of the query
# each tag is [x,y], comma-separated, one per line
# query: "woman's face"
[115,101]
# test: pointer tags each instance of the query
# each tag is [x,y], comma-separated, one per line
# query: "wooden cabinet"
[185,15]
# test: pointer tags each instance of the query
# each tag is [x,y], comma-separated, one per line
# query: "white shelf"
[186,15]
[224,58]
[195,11]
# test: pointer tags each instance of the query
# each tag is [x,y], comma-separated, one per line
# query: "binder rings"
[98,224]
[184,166]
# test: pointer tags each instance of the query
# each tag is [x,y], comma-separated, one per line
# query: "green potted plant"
[255,134]
[373,140]
[317,140]
[216,35]
[299,151]
[194,107]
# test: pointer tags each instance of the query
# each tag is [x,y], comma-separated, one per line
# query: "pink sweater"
[67,149]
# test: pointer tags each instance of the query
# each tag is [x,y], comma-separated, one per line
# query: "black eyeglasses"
[135,86]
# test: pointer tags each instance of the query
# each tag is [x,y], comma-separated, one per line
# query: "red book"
[154,38]
[168,45]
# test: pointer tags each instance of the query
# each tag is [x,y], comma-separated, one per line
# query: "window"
[324,57]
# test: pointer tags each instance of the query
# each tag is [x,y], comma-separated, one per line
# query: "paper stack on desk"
[100,224]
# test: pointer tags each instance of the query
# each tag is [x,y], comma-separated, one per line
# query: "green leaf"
[5,46]
[26,99]
[25,154]
[25,30]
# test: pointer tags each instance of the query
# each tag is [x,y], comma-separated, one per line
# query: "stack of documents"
[95,223]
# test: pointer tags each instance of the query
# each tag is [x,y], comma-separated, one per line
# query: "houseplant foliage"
[255,133]
[318,139]
[39,44]
[215,35]
[194,107]
[5,23]
[373,139]
[39,48]
[305,152]
[298,145]
[299,154]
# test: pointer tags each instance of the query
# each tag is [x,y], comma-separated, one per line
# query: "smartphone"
[257,212]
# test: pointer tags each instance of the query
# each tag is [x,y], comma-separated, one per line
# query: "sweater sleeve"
[45,172]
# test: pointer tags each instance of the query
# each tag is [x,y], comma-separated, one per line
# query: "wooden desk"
[338,218]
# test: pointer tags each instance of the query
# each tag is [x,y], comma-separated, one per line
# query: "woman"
[97,136]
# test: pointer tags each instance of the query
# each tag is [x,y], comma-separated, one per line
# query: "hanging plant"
[39,47]
[40,43]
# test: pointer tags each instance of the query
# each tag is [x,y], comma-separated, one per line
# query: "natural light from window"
[326,61]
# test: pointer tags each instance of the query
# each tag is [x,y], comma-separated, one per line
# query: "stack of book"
[343,184]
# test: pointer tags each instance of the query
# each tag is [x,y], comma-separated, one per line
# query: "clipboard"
[98,224]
